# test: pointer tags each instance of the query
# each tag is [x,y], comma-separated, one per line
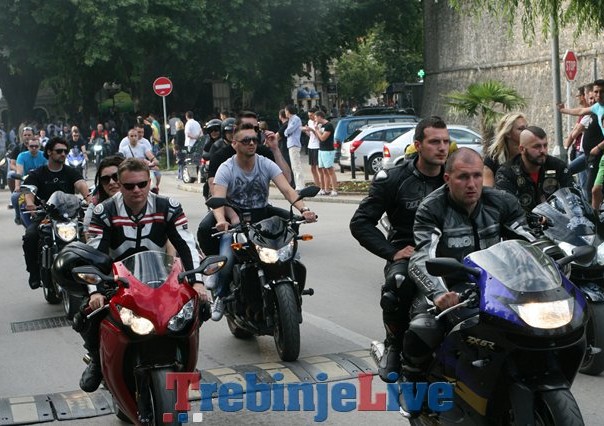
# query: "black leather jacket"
[553,175]
[396,192]
[444,229]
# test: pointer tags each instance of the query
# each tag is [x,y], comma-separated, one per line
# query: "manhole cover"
[40,324]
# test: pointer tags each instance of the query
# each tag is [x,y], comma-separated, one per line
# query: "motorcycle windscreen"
[271,233]
[519,266]
[67,205]
[149,267]
[570,217]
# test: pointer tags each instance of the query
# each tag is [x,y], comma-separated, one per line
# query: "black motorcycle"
[510,349]
[268,279]
[61,224]
[571,222]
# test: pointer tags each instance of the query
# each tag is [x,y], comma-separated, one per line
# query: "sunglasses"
[248,140]
[108,178]
[130,186]
[33,146]
[31,129]
[61,150]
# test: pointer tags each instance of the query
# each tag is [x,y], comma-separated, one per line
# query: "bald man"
[533,175]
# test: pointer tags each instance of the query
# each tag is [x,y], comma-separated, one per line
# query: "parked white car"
[394,152]
[368,141]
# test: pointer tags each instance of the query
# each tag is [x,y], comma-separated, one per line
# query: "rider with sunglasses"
[135,220]
[54,176]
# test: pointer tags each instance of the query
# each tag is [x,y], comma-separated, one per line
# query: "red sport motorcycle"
[151,328]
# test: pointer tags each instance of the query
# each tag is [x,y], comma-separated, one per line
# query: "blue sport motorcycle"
[513,345]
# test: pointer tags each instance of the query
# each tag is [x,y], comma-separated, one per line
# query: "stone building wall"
[460,50]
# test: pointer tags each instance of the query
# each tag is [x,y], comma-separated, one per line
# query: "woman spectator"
[179,147]
[504,146]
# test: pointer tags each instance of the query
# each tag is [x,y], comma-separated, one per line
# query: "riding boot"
[92,375]
[390,364]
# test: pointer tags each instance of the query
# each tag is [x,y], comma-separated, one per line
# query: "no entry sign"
[162,86]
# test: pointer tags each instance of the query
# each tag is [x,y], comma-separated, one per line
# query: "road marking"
[338,330]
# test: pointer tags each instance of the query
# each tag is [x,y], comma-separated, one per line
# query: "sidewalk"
[342,198]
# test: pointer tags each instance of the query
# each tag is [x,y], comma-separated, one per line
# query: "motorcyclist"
[212,135]
[134,220]
[270,149]
[398,192]
[455,220]
[533,175]
[244,180]
[55,176]
[26,161]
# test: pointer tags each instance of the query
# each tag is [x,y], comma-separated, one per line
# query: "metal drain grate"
[40,324]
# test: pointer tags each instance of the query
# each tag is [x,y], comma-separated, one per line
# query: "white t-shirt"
[138,151]
[247,190]
[125,142]
[193,128]
[313,141]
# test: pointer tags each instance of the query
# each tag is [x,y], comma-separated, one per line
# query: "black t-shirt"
[592,135]
[18,150]
[49,182]
[327,144]
[80,144]
[179,139]
[228,151]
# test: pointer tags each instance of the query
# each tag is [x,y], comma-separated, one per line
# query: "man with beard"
[533,175]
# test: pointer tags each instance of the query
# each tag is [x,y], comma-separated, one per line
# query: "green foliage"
[589,13]
[487,101]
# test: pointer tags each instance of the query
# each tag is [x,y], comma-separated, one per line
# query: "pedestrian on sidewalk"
[313,148]
[327,154]
[294,145]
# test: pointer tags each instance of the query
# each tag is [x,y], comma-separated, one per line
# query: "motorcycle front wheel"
[51,295]
[593,364]
[287,327]
[186,177]
[557,408]
[163,400]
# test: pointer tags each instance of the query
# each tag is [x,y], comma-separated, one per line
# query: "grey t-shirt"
[247,190]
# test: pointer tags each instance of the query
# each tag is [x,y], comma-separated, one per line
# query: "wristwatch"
[304,209]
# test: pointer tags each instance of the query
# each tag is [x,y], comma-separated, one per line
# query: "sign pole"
[163,98]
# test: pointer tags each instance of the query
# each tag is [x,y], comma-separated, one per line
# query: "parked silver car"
[394,152]
[368,141]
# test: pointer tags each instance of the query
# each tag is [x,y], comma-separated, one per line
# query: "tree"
[485,101]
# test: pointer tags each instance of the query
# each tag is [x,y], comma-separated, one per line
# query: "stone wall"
[460,50]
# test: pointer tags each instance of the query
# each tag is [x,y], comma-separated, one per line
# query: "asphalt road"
[341,318]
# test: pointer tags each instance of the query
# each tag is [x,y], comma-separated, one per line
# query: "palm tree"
[487,101]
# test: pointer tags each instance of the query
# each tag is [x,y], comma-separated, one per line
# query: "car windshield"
[519,266]
[149,267]
[353,135]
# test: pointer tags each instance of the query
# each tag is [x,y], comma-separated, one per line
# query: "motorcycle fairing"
[272,233]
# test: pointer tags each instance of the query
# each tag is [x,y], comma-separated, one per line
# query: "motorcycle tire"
[593,364]
[186,177]
[51,295]
[119,413]
[237,331]
[71,304]
[287,327]
[164,401]
[557,408]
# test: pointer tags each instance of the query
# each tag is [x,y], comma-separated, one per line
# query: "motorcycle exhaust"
[308,292]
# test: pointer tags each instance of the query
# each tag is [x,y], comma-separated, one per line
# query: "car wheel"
[375,163]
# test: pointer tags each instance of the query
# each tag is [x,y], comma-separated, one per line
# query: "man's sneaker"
[34,283]
[217,309]
[91,377]
[321,192]
[333,194]
[18,221]
[390,364]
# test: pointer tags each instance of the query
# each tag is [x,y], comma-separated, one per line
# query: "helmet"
[213,124]
[78,254]
[228,125]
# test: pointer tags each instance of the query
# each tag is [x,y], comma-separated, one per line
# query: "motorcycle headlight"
[138,324]
[98,147]
[268,255]
[546,315]
[66,231]
[182,318]
[600,254]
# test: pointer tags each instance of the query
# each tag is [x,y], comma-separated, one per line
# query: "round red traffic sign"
[570,65]
[162,86]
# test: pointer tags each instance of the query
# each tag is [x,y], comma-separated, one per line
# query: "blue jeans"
[225,275]
[579,165]
[14,200]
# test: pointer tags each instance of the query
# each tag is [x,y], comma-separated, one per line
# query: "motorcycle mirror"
[90,275]
[29,189]
[210,265]
[309,191]
[582,255]
[445,266]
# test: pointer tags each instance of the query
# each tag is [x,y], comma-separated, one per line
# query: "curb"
[342,198]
